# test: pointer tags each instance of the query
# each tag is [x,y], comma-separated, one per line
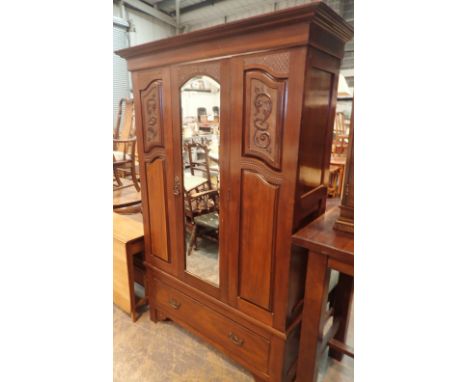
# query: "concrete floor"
[149,352]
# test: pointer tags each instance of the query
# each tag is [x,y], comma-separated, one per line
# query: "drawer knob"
[174,303]
[238,341]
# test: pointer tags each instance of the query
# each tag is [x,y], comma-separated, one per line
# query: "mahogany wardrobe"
[234,129]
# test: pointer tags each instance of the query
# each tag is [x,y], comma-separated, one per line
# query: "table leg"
[315,300]
[131,280]
[342,305]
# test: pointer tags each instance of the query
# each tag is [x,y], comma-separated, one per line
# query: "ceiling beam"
[145,8]
[257,7]
[194,7]
[177,8]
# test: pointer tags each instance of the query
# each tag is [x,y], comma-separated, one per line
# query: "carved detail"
[264,98]
[184,73]
[277,62]
[152,115]
[158,152]
[263,107]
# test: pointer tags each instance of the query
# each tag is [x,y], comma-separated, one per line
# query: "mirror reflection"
[200,102]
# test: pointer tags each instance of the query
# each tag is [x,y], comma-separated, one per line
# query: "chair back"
[201,111]
[125,126]
[198,156]
[340,126]
[340,137]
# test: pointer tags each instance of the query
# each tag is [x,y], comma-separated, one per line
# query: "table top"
[320,236]
[128,227]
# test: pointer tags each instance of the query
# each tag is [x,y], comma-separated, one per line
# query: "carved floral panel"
[264,111]
[151,106]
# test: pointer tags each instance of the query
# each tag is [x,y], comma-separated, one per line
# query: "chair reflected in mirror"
[202,115]
[216,113]
[201,196]
[202,214]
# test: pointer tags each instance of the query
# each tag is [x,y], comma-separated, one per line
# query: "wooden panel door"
[152,92]
[265,127]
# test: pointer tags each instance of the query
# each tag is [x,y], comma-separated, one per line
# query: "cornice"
[315,12]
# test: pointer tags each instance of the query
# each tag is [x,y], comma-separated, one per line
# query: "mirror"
[200,103]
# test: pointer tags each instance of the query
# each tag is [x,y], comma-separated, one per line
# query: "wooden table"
[128,242]
[328,249]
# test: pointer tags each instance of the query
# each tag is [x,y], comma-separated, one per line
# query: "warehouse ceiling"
[223,8]
[169,7]
[196,14]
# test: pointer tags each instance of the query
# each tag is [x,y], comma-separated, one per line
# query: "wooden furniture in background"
[337,170]
[278,76]
[126,200]
[327,249]
[334,181]
[124,127]
[345,222]
[125,154]
[128,243]
[340,135]
[201,112]
[127,161]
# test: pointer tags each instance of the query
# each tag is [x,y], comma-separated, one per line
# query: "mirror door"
[201,173]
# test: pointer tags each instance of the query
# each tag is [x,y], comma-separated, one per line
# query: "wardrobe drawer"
[232,337]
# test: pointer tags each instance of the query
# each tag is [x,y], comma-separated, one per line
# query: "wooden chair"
[215,113]
[340,136]
[124,127]
[125,162]
[125,153]
[124,130]
[199,161]
[333,183]
[202,214]
[201,111]
[127,200]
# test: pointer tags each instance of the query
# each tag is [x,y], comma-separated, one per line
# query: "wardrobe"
[234,129]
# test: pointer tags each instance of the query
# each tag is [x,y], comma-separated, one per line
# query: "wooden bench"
[128,244]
